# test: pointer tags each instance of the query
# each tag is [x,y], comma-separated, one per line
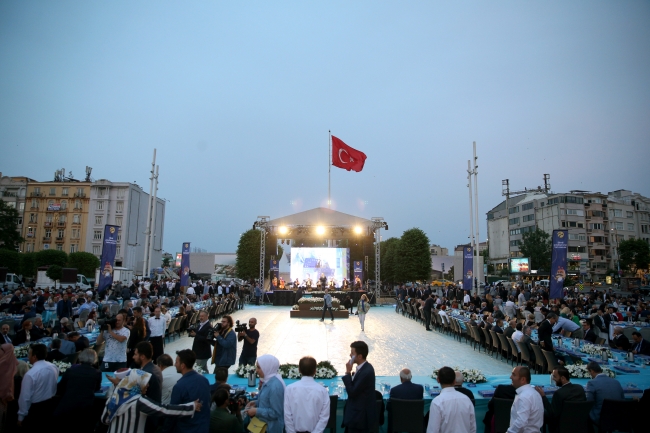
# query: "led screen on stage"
[313,263]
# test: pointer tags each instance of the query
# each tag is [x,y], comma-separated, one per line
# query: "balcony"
[47,239]
[9,194]
[76,223]
[60,240]
[36,194]
[80,194]
[47,224]
[29,235]
[61,224]
[34,208]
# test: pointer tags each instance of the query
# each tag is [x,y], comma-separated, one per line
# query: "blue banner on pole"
[274,266]
[358,270]
[107,261]
[185,265]
[468,266]
[558,263]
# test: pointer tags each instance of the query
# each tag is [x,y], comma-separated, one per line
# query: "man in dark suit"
[498,328]
[590,335]
[361,409]
[458,386]
[4,336]
[620,341]
[428,305]
[639,345]
[545,331]
[142,358]
[567,392]
[407,390]
[203,341]
[600,388]
[506,392]
[55,354]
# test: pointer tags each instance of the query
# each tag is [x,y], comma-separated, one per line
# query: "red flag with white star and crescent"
[346,157]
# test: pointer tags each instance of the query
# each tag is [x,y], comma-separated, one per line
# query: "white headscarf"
[269,365]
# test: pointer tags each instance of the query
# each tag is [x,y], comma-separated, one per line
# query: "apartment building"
[13,191]
[437,250]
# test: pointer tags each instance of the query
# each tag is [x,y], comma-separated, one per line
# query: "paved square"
[395,342]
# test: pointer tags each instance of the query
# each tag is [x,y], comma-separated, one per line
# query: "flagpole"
[329,170]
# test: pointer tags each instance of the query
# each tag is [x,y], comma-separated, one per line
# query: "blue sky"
[238,98]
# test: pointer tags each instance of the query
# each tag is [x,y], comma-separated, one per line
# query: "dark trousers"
[157,344]
[325,308]
[427,319]
[38,418]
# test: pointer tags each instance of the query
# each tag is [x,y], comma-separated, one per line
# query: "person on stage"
[345,285]
[362,309]
[308,282]
[357,283]
[296,284]
[323,281]
[281,286]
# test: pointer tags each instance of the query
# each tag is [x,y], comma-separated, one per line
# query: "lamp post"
[618,262]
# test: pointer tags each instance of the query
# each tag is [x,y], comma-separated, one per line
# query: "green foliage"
[55,273]
[10,259]
[248,255]
[634,254]
[10,239]
[165,262]
[414,256]
[50,257]
[450,274]
[537,246]
[86,263]
[389,255]
[568,281]
[28,264]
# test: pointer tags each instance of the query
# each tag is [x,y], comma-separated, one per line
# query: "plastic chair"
[618,415]
[72,358]
[540,360]
[502,408]
[645,333]
[513,351]
[551,360]
[575,417]
[524,353]
[505,347]
[495,343]
[488,340]
[410,415]
[331,422]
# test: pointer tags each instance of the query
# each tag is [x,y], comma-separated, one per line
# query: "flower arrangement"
[243,370]
[595,350]
[316,309]
[316,301]
[62,366]
[295,307]
[325,370]
[199,369]
[289,371]
[580,371]
[21,351]
[470,375]
[342,308]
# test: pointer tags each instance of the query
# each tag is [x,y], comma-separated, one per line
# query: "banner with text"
[358,270]
[274,266]
[185,265]
[468,266]
[108,258]
[558,263]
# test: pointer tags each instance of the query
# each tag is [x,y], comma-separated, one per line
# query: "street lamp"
[618,262]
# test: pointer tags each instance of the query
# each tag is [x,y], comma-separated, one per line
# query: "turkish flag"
[343,156]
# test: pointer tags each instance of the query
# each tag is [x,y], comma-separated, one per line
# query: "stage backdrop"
[312,262]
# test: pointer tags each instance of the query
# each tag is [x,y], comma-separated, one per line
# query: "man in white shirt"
[306,403]
[527,413]
[157,325]
[170,376]
[517,335]
[190,290]
[36,392]
[451,411]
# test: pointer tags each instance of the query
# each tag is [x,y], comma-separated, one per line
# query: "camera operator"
[221,419]
[250,336]
[203,342]
[225,350]
[116,341]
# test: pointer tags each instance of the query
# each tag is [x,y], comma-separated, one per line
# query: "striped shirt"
[133,416]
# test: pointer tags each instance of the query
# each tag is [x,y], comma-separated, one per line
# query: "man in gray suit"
[601,387]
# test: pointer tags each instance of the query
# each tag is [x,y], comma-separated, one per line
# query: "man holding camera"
[116,342]
[225,349]
[250,336]
[203,342]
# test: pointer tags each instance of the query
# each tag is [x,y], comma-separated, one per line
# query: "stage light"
[283,230]
[358,230]
[320,230]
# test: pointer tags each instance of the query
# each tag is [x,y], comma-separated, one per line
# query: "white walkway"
[395,342]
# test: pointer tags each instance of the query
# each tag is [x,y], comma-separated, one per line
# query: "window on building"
[59,247]
[119,207]
[490,216]
[577,212]
[48,217]
[48,233]
[629,214]
[514,220]
[30,248]
[513,209]
[515,243]
[555,200]
[21,207]
[599,239]
[64,191]
[64,204]
[618,212]
[572,224]
[74,248]
[581,225]
[62,219]
[576,249]
[100,205]
[571,199]
[99,220]
[34,203]
[630,226]
[618,226]
[61,234]
[121,192]
[596,226]
[53,191]
[577,237]
[527,206]
[598,214]
[77,204]
[118,251]
[96,250]
[97,235]
[644,228]
[76,219]
[101,192]
[37,190]
[75,233]
[119,235]
[80,192]
[596,200]
[530,217]
[33,217]
[118,221]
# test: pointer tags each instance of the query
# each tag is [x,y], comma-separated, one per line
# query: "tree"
[165,262]
[28,264]
[50,257]
[86,263]
[388,260]
[634,254]
[10,259]
[55,273]
[10,238]
[537,247]
[450,274]
[414,256]
[248,255]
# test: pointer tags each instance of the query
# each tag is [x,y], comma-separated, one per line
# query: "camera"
[237,399]
[112,322]
[239,327]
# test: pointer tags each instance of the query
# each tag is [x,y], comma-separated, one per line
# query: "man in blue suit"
[361,409]
[407,390]
[601,387]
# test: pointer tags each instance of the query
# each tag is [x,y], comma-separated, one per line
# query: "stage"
[288,297]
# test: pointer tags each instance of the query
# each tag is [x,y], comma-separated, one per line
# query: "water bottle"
[252,379]
[604,355]
[630,357]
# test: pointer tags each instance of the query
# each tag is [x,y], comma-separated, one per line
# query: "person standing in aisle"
[362,310]
[327,305]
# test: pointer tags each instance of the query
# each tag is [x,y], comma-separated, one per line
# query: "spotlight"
[283,230]
[357,230]
[320,230]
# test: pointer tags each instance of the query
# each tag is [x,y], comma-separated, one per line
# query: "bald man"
[458,386]
[407,390]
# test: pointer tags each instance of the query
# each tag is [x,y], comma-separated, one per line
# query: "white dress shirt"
[527,413]
[190,290]
[451,412]
[157,326]
[516,337]
[306,406]
[39,384]
[170,377]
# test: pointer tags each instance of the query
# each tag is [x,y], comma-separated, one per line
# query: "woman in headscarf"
[8,368]
[270,400]
[127,408]
[362,309]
